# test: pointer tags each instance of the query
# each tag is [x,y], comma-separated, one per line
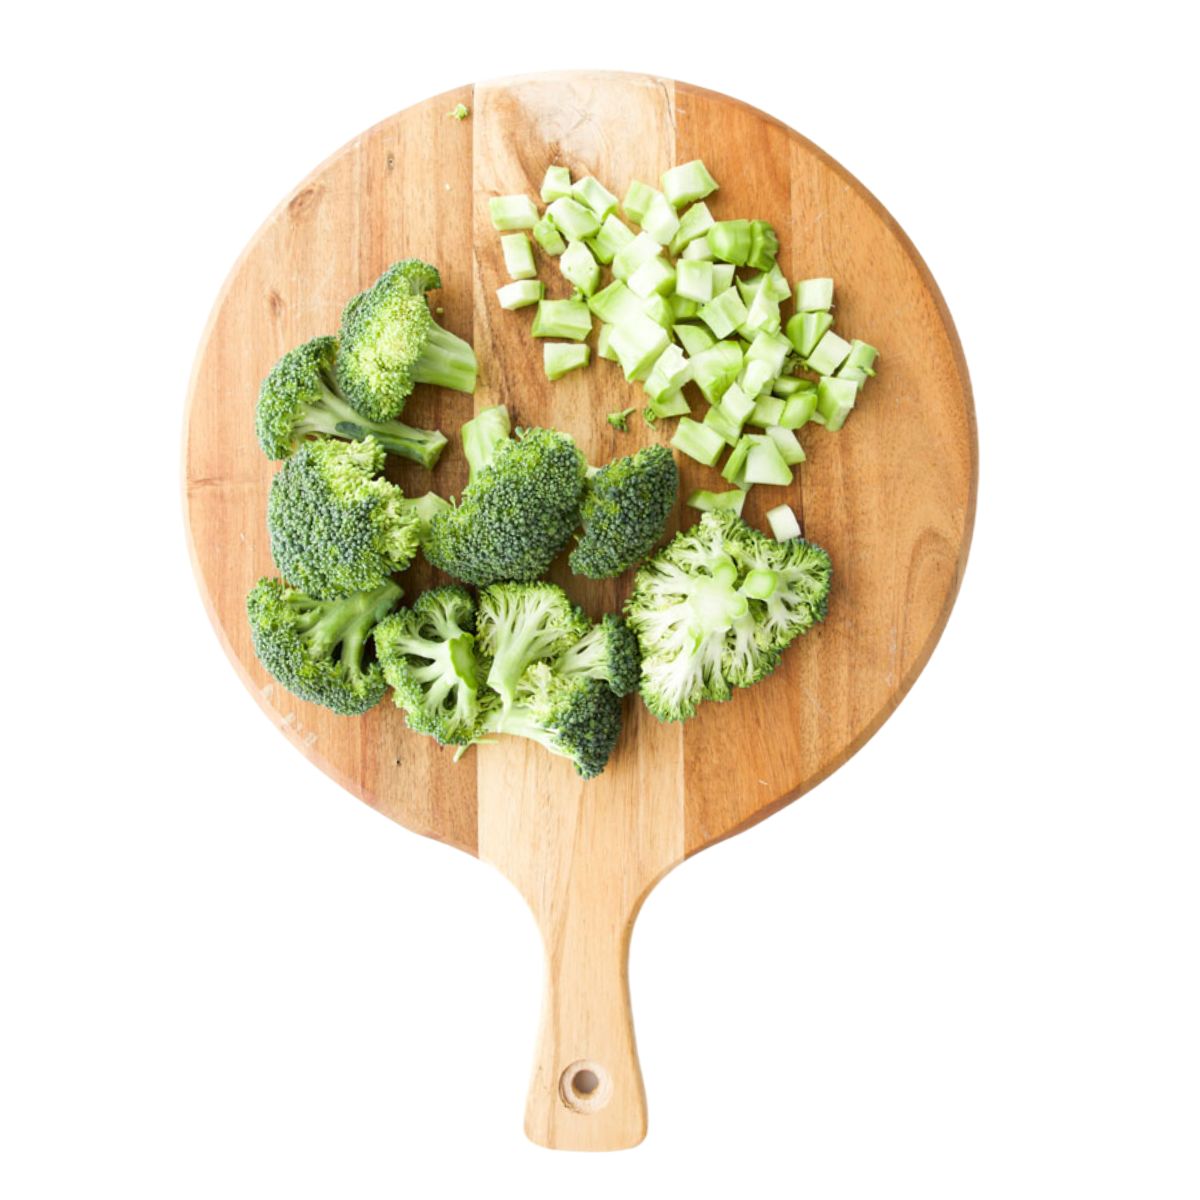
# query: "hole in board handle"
[585,1087]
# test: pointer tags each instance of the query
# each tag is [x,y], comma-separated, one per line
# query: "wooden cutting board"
[891,497]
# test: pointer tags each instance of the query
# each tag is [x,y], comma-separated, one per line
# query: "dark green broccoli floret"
[609,652]
[390,342]
[519,509]
[298,400]
[717,606]
[428,656]
[625,509]
[335,527]
[523,623]
[571,715]
[317,648]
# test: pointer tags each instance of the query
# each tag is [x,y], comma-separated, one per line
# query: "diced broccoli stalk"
[784,525]
[814,295]
[512,212]
[562,319]
[655,276]
[591,193]
[671,370]
[775,286]
[637,342]
[724,312]
[723,425]
[798,409]
[669,404]
[638,199]
[615,303]
[580,268]
[572,220]
[660,220]
[788,385]
[764,246]
[835,399]
[660,310]
[762,315]
[716,368]
[765,464]
[521,294]
[546,234]
[787,444]
[695,339]
[731,501]
[734,470]
[693,280]
[682,308]
[768,411]
[697,249]
[723,274]
[805,330]
[828,354]
[556,185]
[698,441]
[737,405]
[560,357]
[687,182]
[744,243]
[861,358]
[612,236]
[693,224]
[771,349]
[620,420]
[518,256]
[748,288]
[604,343]
[641,250]
[756,378]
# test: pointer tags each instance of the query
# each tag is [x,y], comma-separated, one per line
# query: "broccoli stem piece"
[687,182]
[512,212]
[446,361]
[518,256]
[483,436]
[556,184]
[546,234]
[784,525]
[558,358]
[520,294]
[706,501]
[562,319]
[698,441]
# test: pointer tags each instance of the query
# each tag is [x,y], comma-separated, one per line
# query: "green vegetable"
[697,249]
[723,274]
[604,343]
[805,330]
[660,310]
[637,342]
[695,339]
[641,250]
[734,470]
[317,649]
[590,192]
[573,220]
[761,315]
[460,112]
[788,385]
[556,185]
[737,405]
[546,234]
[744,243]
[519,509]
[580,268]
[660,220]
[700,636]
[814,295]
[612,236]
[521,294]
[562,319]
[608,652]
[724,312]
[335,526]
[768,410]
[861,358]
[427,655]
[298,400]
[670,372]
[771,349]
[828,354]
[730,501]
[688,182]
[716,368]
[698,441]
[694,223]
[390,342]
[512,212]
[798,409]
[620,420]
[787,444]
[518,256]
[835,399]
[637,200]
[694,280]
[615,303]
[765,463]
[624,512]
[722,424]
[560,357]
[784,525]
[655,275]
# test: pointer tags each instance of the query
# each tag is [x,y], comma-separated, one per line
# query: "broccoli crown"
[518,511]
[700,634]
[521,624]
[572,715]
[336,528]
[390,342]
[427,653]
[608,652]
[625,509]
[317,648]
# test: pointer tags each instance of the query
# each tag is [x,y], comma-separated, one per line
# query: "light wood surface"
[891,497]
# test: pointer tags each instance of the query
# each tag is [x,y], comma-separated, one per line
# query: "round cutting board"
[891,497]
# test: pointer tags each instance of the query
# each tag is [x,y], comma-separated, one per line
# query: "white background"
[965,966]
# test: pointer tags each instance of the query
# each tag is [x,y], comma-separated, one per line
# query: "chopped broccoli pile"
[624,512]
[715,609]
[390,342]
[519,509]
[336,526]
[299,400]
[318,648]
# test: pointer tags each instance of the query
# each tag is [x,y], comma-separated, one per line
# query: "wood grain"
[891,497]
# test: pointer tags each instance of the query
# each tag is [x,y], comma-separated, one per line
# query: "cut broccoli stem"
[520,294]
[765,464]
[798,409]
[620,420]
[670,404]
[723,274]
[518,256]
[560,357]
[694,223]
[660,220]
[615,303]
[637,200]
[698,249]
[768,410]
[580,268]
[512,212]
[730,501]
[562,319]
[761,316]
[735,465]
[682,308]
[814,295]
[660,310]
[737,405]
[756,377]
[716,368]
[630,257]
[775,285]
[788,385]
[556,185]
[693,280]
[670,372]
[835,399]
[590,192]
[446,361]
[572,219]
[787,444]
[698,441]
[546,234]
[695,339]
[723,425]
[612,236]
[687,182]
[764,246]
[828,354]
[483,435]
[637,343]
[783,523]
[771,349]
[805,330]
[724,312]
[654,276]
[730,241]
[604,343]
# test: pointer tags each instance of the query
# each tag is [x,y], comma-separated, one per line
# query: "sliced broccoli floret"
[518,511]
[703,629]
[335,526]
[609,652]
[625,509]
[521,624]
[574,716]
[298,400]
[427,653]
[390,342]
[318,648]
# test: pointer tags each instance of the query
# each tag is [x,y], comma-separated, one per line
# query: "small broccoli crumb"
[650,417]
[620,420]
[460,112]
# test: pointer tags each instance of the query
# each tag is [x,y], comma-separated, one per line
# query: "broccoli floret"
[298,400]
[390,342]
[620,420]
[460,112]
[704,627]
[519,509]
[521,624]
[317,648]
[571,715]
[608,652]
[625,509]
[427,653]
[336,528]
